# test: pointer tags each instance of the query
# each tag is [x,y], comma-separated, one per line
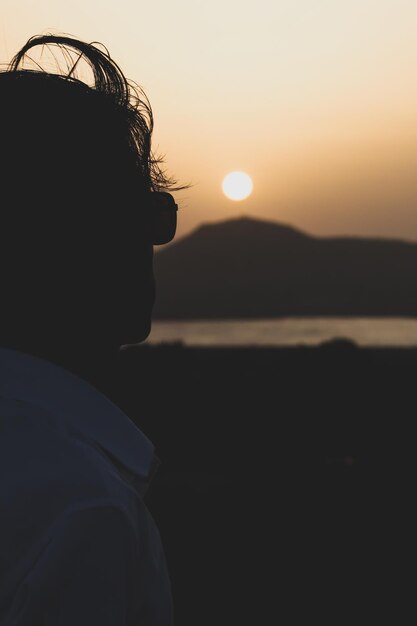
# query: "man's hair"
[119,103]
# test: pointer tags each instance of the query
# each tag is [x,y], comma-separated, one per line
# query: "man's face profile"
[85,202]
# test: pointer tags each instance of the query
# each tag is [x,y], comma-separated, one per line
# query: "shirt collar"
[74,401]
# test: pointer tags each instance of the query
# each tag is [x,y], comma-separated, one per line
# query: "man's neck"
[98,366]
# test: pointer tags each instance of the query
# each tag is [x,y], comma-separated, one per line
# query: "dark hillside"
[247,268]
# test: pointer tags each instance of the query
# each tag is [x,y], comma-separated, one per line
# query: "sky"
[315,99]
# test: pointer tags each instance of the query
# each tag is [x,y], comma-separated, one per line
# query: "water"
[383,332]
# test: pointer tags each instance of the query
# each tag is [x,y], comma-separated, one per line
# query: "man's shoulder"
[68,405]
[43,455]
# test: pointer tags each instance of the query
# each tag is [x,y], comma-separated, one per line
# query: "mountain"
[249,268]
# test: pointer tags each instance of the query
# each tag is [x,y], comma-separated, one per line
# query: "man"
[82,204]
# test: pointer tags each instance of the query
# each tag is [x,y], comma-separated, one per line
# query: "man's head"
[78,190]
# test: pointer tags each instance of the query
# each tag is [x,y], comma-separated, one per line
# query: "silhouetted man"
[81,208]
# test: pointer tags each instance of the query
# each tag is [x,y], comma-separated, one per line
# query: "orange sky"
[315,99]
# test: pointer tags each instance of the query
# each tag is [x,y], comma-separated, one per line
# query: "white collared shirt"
[78,546]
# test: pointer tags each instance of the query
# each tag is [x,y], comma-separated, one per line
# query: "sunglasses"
[163,210]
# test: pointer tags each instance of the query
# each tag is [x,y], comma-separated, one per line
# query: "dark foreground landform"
[288,479]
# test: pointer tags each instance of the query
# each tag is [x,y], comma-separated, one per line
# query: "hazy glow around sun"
[237,185]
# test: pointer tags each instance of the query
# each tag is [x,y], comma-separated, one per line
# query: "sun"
[237,185]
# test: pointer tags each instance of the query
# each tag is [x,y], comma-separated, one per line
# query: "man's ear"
[163,211]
